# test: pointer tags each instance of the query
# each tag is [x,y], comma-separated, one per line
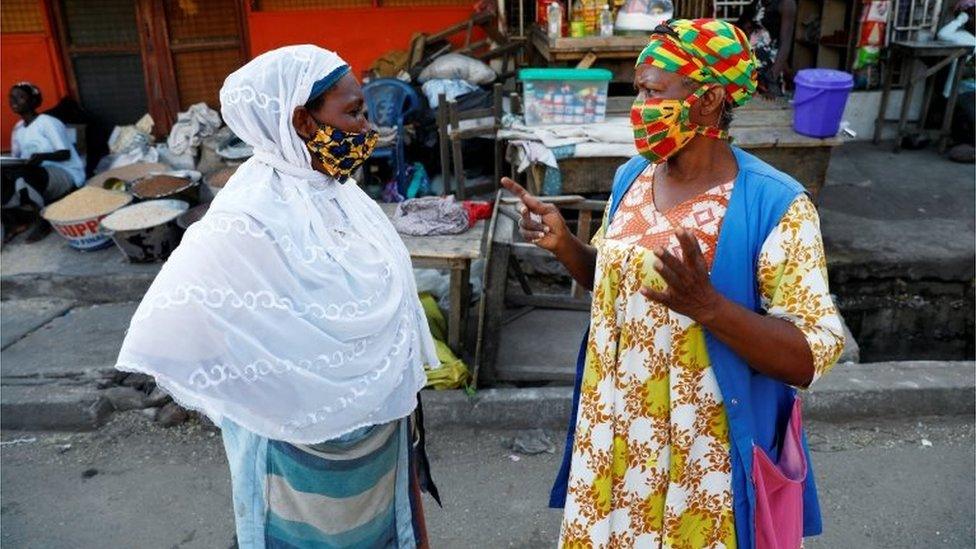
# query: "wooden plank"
[444,139]
[760,103]
[442,263]
[460,294]
[764,118]
[621,57]
[498,111]
[205,45]
[597,44]
[468,133]
[768,137]
[463,246]
[459,179]
[539,43]
[934,48]
[583,228]
[496,282]
[563,200]
[483,304]
[417,44]
[504,233]
[589,175]
[537,175]
[473,114]
[587,61]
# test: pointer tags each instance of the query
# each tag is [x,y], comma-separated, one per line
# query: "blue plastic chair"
[388,102]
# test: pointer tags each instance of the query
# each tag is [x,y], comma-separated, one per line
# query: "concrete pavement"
[884,484]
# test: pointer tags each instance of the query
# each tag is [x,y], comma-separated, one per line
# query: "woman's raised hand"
[541,223]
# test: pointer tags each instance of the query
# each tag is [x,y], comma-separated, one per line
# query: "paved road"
[890,484]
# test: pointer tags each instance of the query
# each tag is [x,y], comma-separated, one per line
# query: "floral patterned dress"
[650,464]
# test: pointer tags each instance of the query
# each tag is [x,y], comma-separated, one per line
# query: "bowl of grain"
[217,179]
[146,231]
[127,174]
[76,217]
[168,186]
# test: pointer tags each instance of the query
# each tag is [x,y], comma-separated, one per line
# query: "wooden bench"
[454,253]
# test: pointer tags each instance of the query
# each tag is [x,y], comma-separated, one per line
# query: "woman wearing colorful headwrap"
[710,305]
[290,317]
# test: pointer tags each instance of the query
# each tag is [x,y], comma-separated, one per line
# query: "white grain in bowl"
[144,215]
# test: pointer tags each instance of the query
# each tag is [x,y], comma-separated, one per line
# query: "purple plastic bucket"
[818,104]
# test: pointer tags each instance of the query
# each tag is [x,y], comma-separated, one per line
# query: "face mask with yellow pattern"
[341,153]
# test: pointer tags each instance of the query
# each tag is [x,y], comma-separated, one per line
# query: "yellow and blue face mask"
[341,153]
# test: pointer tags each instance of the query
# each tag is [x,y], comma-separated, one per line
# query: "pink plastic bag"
[779,489]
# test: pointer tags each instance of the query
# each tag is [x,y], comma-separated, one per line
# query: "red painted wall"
[32,57]
[359,35]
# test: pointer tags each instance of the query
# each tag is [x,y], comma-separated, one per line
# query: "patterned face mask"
[341,152]
[661,126]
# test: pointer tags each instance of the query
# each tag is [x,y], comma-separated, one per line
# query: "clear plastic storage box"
[564,96]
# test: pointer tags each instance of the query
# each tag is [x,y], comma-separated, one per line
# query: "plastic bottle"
[591,16]
[554,20]
[577,25]
[606,21]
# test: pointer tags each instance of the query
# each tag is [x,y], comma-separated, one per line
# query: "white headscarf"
[291,307]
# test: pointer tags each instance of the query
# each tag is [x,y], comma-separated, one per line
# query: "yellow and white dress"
[650,464]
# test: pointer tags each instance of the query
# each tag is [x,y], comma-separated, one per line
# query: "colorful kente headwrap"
[707,51]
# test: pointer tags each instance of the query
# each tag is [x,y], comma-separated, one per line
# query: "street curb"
[91,289]
[850,391]
[54,407]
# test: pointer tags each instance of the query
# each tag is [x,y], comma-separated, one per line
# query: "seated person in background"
[53,167]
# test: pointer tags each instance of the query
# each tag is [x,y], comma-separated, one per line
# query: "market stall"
[586,157]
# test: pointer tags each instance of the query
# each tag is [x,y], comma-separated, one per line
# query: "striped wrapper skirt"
[359,490]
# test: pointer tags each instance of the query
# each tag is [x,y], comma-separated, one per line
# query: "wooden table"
[454,253]
[762,127]
[940,53]
[617,53]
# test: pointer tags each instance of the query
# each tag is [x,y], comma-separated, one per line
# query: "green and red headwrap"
[707,51]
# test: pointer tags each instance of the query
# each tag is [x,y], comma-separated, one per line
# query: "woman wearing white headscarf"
[290,317]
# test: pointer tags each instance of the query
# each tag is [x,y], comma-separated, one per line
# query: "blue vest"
[758,407]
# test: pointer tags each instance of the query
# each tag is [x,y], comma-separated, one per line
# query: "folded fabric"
[522,153]
[612,130]
[458,66]
[191,127]
[452,88]
[603,150]
[432,215]
[477,210]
